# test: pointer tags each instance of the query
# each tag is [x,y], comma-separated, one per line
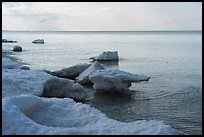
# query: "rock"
[114,80]
[17,48]
[71,72]
[25,68]
[57,87]
[83,78]
[38,41]
[8,41]
[106,56]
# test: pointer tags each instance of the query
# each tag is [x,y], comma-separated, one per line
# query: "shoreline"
[12,80]
[11,55]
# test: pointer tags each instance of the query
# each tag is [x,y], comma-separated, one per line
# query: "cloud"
[103,15]
[11,4]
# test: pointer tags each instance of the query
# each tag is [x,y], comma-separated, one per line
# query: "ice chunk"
[83,78]
[106,56]
[71,72]
[114,80]
[59,87]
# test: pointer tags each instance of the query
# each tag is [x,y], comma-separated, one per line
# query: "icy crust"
[29,114]
[106,56]
[17,81]
[9,64]
[114,80]
[83,77]
[71,72]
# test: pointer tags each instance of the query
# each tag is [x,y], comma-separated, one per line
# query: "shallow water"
[173,60]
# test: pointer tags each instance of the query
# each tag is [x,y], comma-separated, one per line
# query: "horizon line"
[100,30]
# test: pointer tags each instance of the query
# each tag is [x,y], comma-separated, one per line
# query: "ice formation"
[24,113]
[31,115]
[106,56]
[83,77]
[59,87]
[114,80]
[71,72]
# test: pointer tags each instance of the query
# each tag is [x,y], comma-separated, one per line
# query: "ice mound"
[71,72]
[32,115]
[106,56]
[83,77]
[114,80]
[17,81]
[9,64]
[57,87]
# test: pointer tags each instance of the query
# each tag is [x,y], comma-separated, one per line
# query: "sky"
[101,16]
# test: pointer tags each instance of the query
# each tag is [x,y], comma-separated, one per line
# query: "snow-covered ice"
[28,114]
[18,81]
[71,72]
[106,56]
[83,77]
[9,64]
[60,87]
[25,113]
[114,80]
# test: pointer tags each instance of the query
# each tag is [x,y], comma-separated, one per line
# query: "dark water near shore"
[173,60]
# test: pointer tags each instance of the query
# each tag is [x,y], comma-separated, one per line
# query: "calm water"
[172,59]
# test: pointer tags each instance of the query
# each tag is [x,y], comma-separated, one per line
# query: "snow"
[83,77]
[71,72]
[18,81]
[28,114]
[106,56]
[114,80]
[9,64]
[25,113]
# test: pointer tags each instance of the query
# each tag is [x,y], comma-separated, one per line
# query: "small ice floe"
[59,87]
[38,41]
[83,77]
[17,48]
[71,72]
[32,115]
[114,80]
[106,56]
[8,41]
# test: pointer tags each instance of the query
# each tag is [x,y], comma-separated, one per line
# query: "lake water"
[173,60]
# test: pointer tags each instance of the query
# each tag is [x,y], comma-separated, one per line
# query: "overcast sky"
[104,16]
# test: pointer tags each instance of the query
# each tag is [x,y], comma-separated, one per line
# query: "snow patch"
[28,114]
